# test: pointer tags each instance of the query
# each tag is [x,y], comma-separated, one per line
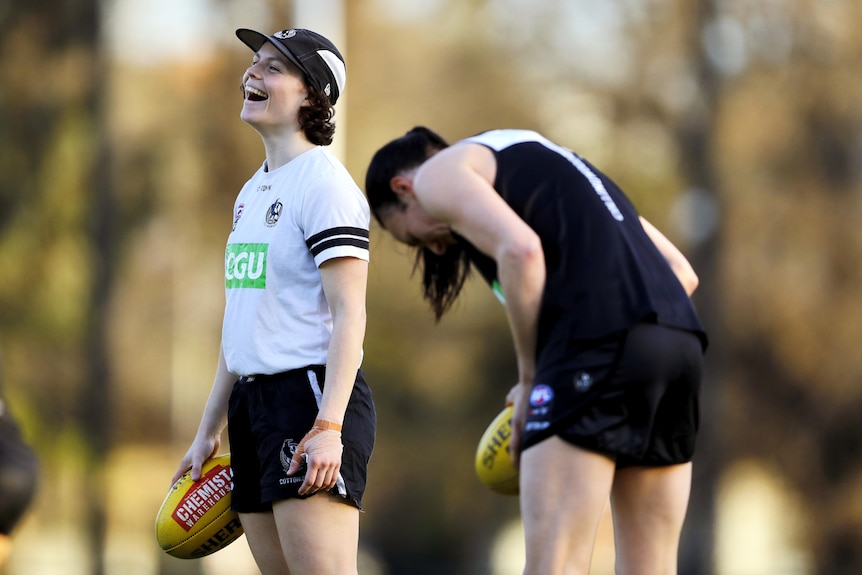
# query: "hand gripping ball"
[195,518]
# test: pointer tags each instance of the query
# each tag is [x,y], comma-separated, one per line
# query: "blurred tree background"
[735,125]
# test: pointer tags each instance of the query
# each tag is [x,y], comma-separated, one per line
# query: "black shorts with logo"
[633,396]
[268,415]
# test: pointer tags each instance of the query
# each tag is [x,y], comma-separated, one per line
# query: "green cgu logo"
[245,266]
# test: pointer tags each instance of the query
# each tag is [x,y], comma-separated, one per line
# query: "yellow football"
[493,464]
[195,518]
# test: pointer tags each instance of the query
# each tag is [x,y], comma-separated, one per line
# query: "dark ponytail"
[443,276]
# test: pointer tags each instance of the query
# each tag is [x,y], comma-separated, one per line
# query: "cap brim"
[255,40]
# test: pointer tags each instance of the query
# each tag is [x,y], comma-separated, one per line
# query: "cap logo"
[285,34]
[336,70]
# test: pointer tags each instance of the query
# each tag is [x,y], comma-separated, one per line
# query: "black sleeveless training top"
[604,274]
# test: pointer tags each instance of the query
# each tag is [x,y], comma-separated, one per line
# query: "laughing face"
[273,91]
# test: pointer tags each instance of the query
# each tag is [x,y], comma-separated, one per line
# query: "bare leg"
[262,537]
[564,490]
[319,535]
[649,506]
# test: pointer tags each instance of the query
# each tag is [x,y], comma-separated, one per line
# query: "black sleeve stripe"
[341,241]
[339,231]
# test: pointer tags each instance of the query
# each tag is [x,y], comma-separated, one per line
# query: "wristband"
[326,425]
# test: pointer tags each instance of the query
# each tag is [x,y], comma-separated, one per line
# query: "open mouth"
[254,94]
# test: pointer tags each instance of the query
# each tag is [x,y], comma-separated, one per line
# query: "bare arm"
[456,186]
[344,283]
[213,421]
[678,262]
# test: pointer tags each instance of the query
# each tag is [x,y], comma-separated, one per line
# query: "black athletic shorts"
[268,415]
[633,396]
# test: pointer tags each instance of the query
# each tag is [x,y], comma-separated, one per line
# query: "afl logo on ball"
[541,395]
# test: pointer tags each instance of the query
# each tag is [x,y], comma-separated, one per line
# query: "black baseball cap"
[316,56]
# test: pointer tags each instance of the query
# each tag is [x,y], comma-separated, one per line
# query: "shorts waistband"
[263,377]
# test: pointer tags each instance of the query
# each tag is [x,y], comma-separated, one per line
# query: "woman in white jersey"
[300,417]
[607,340]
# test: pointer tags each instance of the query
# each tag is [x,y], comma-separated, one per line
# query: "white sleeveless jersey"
[285,224]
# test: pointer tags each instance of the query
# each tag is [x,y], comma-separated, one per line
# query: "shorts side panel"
[358,435]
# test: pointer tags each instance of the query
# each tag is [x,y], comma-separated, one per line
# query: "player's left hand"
[322,448]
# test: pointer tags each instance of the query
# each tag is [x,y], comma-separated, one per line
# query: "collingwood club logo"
[583,381]
[273,213]
[288,449]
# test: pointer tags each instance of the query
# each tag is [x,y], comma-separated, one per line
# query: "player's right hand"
[518,397]
[199,452]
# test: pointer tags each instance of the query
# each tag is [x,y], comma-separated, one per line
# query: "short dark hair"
[443,276]
[316,118]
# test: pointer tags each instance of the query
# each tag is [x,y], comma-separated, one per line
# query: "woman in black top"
[608,343]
